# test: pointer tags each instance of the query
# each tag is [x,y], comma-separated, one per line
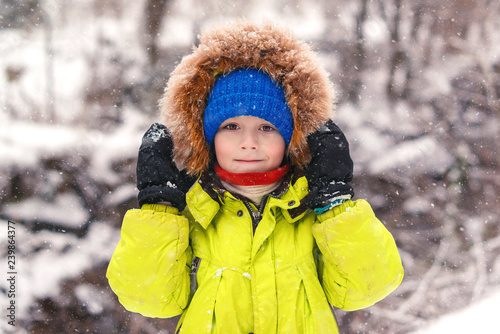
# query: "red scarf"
[252,179]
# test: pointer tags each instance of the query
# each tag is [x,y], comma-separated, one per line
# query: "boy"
[246,189]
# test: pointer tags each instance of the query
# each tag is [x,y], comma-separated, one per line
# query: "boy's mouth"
[247,160]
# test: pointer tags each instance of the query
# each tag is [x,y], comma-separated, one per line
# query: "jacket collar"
[208,195]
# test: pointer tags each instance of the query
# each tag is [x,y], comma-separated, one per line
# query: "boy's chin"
[244,168]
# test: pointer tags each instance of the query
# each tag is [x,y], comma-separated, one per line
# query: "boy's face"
[248,144]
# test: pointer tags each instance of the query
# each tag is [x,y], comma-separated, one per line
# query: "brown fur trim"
[292,63]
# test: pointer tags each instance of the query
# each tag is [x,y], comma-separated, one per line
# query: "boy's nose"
[249,141]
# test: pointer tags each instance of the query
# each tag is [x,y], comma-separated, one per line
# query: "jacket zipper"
[256,215]
[194,273]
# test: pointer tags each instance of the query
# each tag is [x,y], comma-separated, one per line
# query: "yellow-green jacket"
[280,278]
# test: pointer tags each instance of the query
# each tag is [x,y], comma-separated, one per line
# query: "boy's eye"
[230,126]
[267,128]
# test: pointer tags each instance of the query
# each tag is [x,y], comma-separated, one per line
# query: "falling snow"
[419,108]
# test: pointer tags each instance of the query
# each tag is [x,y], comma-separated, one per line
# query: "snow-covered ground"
[44,259]
[480,317]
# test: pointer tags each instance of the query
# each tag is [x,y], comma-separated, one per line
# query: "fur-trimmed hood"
[292,63]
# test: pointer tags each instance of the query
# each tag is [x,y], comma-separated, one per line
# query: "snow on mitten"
[158,179]
[330,168]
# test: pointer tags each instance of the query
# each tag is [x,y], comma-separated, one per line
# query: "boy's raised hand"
[330,168]
[158,179]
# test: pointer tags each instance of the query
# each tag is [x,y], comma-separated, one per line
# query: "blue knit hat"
[247,92]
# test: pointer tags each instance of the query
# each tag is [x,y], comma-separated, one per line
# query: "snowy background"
[419,88]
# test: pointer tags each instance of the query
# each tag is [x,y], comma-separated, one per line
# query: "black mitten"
[158,179]
[330,168]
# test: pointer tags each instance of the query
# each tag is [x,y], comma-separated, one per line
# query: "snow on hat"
[247,92]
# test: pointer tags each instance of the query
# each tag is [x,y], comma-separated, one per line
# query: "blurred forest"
[419,88]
